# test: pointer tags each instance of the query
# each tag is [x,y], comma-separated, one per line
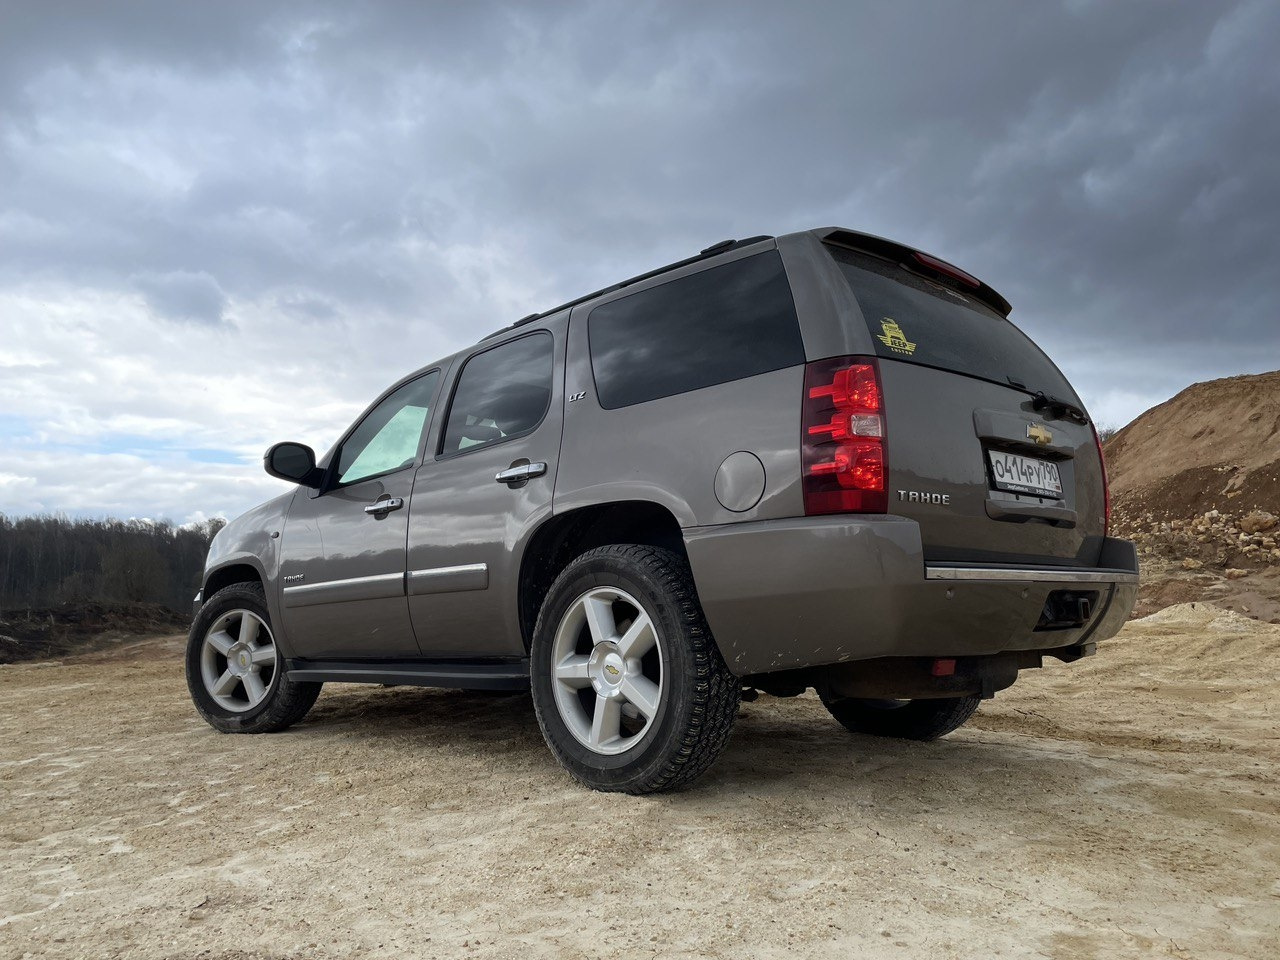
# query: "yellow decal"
[894,338]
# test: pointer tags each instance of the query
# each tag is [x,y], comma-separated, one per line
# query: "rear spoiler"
[925,264]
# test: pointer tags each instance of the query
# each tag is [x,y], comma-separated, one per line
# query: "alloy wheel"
[238,661]
[608,672]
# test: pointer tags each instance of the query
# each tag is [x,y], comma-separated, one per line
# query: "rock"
[1234,573]
[1191,563]
[1256,521]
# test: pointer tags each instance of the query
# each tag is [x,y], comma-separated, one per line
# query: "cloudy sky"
[227,224]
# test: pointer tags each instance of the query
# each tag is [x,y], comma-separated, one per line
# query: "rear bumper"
[808,591]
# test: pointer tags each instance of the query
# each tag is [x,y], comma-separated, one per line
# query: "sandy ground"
[1126,806]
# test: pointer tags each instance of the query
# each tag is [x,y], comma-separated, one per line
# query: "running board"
[462,674]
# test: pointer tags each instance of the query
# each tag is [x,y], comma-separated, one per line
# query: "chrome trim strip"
[383,586]
[1030,575]
[466,576]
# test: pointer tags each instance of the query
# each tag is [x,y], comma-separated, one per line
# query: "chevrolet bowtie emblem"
[1039,433]
[611,670]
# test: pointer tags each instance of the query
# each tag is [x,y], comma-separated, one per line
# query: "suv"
[823,460]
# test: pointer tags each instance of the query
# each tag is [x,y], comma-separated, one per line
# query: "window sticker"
[894,338]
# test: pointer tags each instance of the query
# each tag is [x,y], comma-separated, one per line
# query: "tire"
[903,719]
[624,706]
[230,643]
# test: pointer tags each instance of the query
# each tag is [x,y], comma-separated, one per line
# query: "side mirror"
[295,462]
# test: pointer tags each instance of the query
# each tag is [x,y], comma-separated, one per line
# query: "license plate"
[1025,474]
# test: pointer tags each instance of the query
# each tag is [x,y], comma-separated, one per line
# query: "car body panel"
[253,540]
[656,452]
[342,570]
[807,591]
[467,531]
[938,426]
[831,323]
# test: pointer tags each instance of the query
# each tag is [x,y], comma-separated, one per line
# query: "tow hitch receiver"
[1067,609]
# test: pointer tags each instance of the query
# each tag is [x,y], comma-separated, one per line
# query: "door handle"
[523,472]
[385,506]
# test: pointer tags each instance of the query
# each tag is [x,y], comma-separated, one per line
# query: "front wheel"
[630,691]
[235,671]
[903,719]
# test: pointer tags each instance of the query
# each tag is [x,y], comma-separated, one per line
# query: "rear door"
[991,471]
[486,489]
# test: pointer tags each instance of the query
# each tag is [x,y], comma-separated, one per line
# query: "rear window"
[722,324]
[913,319]
[503,392]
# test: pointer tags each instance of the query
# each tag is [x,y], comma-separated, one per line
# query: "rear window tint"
[915,320]
[722,324]
[502,393]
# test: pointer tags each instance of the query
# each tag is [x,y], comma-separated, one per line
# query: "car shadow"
[780,748]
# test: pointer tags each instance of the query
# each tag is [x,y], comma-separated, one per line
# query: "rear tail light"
[843,438]
[1106,486]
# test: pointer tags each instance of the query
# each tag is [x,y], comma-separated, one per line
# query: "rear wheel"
[235,671]
[630,691]
[903,719]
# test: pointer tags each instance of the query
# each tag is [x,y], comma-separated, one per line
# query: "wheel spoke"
[220,641]
[254,687]
[599,619]
[264,656]
[639,638]
[572,670]
[607,722]
[643,694]
[225,684]
[248,628]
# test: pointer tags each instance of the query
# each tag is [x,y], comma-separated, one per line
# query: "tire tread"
[716,691]
[916,720]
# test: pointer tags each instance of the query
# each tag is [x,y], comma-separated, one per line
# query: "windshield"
[918,321]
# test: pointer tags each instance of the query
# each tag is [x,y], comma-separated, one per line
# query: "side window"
[387,439]
[722,324]
[501,393]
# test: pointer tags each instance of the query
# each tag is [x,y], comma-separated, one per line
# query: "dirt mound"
[1215,446]
[37,634]
[1195,482]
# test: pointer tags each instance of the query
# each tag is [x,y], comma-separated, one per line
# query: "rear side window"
[915,320]
[501,393]
[722,324]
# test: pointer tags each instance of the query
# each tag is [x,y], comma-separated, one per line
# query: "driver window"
[387,439]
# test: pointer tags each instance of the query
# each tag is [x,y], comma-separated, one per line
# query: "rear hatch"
[988,447]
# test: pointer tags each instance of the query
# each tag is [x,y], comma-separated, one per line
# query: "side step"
[510,674]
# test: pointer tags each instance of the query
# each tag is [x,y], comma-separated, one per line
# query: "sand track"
[1123,806]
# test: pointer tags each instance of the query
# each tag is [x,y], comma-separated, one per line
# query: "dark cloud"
[193,297]
[1109,167]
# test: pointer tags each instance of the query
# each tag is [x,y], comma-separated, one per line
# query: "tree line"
[47,561]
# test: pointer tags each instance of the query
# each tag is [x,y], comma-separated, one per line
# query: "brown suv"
[820,460]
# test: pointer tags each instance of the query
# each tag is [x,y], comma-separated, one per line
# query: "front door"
[489,486]
[342,555]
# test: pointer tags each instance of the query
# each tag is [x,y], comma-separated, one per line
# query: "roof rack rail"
[724,246]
